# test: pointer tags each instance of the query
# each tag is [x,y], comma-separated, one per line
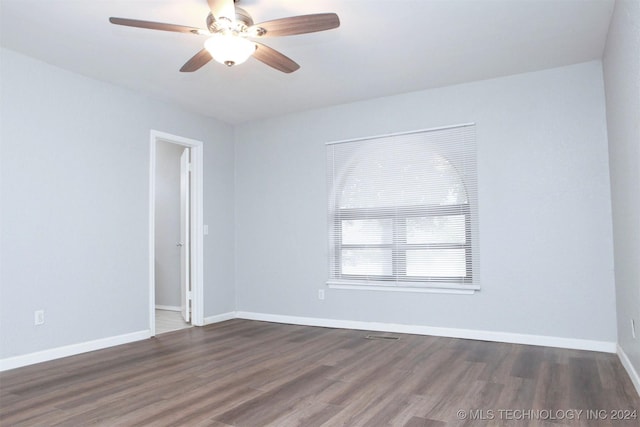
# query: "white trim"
[219,318]
[461,125]
[71,350]
[168,307]
[508,337]
[459,290]
[152,235]
[631,370]
[197,235]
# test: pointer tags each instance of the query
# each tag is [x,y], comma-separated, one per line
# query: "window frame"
[399,280]
[398,246]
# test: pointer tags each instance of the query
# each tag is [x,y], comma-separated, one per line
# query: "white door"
[185,231]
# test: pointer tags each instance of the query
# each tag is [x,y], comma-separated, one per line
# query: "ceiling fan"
[231,30]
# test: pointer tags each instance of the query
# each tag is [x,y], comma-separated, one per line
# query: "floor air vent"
[381,337]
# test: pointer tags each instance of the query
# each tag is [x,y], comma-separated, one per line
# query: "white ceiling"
[383,47]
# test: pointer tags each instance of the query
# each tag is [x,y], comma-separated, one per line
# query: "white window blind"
[403,210]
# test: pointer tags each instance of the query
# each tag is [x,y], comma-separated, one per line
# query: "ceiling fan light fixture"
[230,30]
[229,49]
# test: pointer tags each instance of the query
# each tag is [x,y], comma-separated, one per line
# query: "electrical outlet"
[320,293]
[633,328]
[39,317]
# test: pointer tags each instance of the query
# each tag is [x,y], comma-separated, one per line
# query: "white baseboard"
[70,350]
[219,318]
[631,370]
[508,337]
[168,307]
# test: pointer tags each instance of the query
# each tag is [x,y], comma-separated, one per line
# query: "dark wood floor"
[247,373]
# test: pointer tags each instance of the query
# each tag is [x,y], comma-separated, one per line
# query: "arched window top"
[403,211]
[417,175]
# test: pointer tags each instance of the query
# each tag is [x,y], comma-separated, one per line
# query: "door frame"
[185,234]
[197,227]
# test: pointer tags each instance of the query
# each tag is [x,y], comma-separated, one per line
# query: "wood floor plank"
[518,393]
[268,406]
[552,391]
[417,406]
[423,422]
[584,383]
[528,361]
[243,373]
[197,408]
[308,413]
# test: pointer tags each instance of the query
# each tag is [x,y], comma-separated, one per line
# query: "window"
[403,211]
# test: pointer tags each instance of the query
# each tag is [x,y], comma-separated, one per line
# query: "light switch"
[206,229]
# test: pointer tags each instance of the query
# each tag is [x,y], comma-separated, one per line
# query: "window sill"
[432,289]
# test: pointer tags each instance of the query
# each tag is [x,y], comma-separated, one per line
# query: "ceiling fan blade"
[156,25]
[220,8]
[274,59]
[296,25]
[196,61]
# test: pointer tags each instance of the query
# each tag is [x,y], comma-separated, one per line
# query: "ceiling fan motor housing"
[242,21]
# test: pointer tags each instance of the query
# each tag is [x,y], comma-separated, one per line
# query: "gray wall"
[545,212]
[74,194]
[75,206]
[167,224]
[622,82]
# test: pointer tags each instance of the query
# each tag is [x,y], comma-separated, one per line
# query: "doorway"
[175,229]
